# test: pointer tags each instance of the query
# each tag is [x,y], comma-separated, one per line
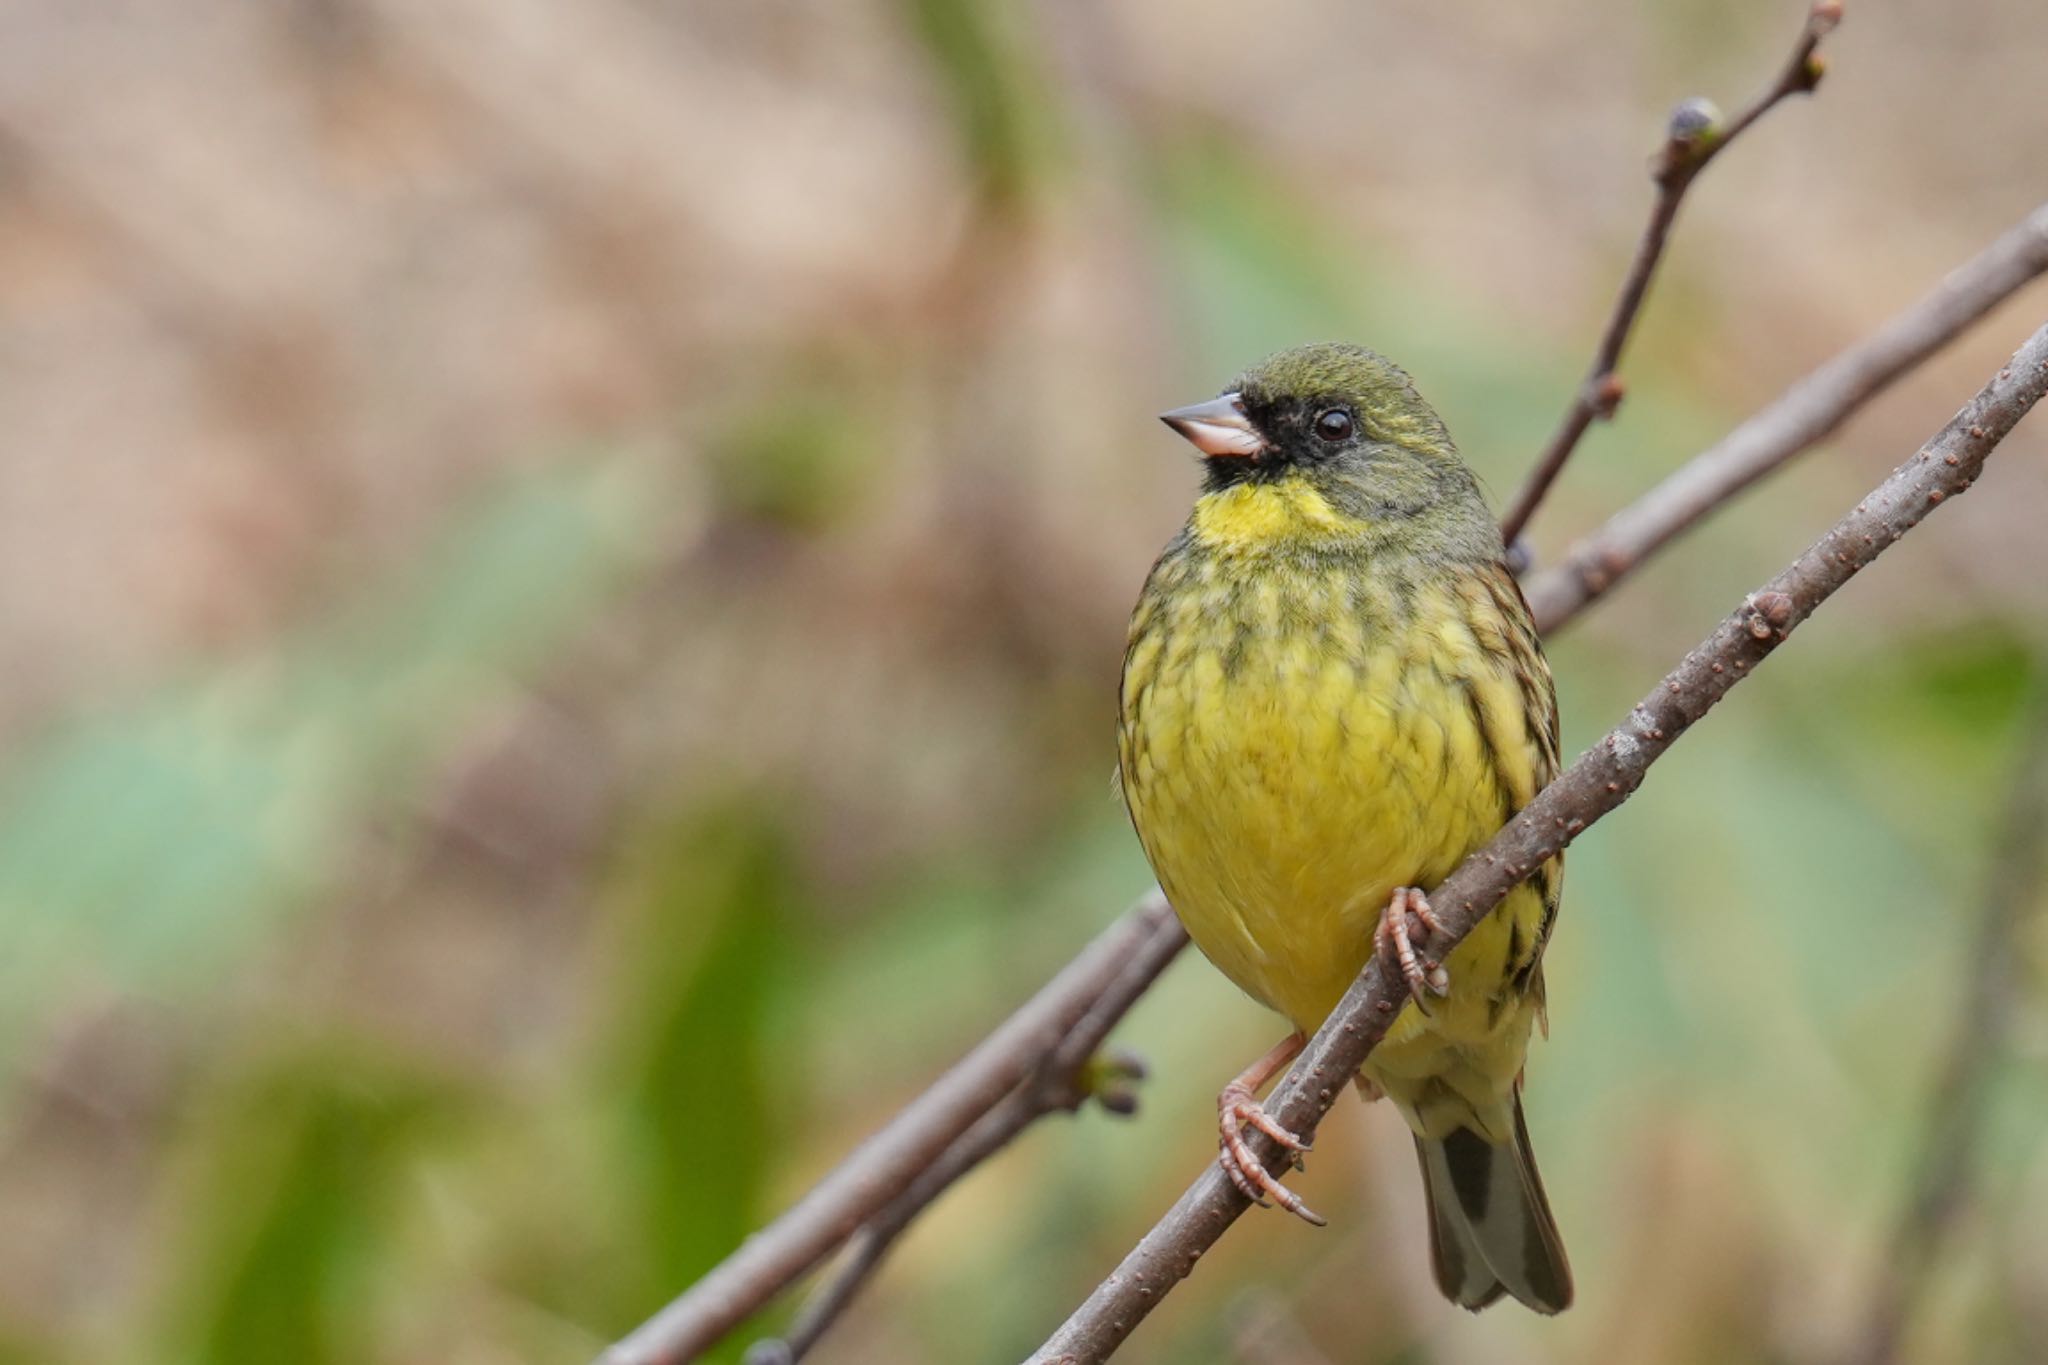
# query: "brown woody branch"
[1694,137]
[1064,1080]
[888,1162]
[1603,777]
[1803,415]
[1939,1188]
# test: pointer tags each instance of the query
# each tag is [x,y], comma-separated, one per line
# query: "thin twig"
[1803,415]
[1956,1105]
[1602,778]
[1694,137]
[868,1247]
[888,1161]
[1068,1077]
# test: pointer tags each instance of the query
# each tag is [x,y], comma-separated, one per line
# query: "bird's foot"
[1425,976]
[1237,1106]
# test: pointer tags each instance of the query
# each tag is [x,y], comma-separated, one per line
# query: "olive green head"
[1349,422]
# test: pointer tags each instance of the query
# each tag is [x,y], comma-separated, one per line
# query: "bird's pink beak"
[1217,428]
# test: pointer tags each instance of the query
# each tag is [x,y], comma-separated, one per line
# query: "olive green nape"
[1384,395]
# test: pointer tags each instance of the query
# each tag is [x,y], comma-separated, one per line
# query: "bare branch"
[1694,137]
[1062,1082]
[1982,1030]
[870,1245]
[1602,778]
[1803,415]
[889,1161]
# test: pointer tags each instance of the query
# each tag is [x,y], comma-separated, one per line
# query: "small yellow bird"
[1332,694]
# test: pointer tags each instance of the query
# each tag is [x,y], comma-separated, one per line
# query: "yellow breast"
[1302,732]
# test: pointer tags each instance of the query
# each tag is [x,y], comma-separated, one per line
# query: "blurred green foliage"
[1002,107]
[803,460]
[754,960]
[149,847]
[706,918]
[285,1240]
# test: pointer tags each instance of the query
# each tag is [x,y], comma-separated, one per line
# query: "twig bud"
[1689,135]
[1607,395]
[1111,1079]
[1770,611]
[1692,120]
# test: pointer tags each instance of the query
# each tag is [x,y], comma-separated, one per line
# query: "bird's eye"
[1333,424]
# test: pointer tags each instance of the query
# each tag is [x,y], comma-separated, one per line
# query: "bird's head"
[1346,421]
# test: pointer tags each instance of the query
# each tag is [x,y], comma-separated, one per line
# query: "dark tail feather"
[1490,1229]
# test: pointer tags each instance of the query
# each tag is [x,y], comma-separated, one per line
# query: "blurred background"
[562,577]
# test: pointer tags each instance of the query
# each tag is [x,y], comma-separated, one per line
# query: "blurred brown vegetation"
[562,571]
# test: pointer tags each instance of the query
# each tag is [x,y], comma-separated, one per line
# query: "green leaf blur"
[562,578]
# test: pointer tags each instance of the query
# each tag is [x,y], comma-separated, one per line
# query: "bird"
[1332,693]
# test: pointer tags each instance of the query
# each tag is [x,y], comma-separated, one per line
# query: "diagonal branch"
[890,1160]
[1694,137]
[1063,1081]
[1982,1034]
[1801,416]
[1603,777]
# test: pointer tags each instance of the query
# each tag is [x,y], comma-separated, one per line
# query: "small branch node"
[1689,137]
[1111,1079]
[1774,610]
[1607,395]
